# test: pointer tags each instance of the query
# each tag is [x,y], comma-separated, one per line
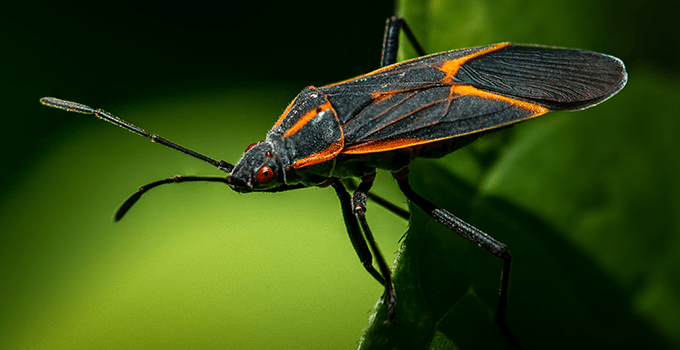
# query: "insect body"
[424,107]
[421,104]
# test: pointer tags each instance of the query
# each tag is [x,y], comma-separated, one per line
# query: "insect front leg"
[473,235]
[359,208]
[358,241]
[391,40]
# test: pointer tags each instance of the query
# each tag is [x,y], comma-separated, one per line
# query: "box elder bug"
[425,107]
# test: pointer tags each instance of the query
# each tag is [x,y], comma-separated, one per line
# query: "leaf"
[586,202]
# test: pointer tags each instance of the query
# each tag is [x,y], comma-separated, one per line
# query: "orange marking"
[458,90]
[380,96]
[377,71]
[387,145]
[448,66]
[329,153]
[451,67]
[467,90]
[307,117]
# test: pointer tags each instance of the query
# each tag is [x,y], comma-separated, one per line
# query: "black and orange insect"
[425,107]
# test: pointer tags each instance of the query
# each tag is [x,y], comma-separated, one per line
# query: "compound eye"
[265,174]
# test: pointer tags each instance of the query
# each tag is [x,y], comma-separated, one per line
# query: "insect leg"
[473,235]
[395,209]
[359,208]
[391,40]
[354,231]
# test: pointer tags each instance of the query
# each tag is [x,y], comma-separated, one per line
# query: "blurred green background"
[588,201]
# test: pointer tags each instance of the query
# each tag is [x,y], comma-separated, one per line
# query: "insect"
[425,107]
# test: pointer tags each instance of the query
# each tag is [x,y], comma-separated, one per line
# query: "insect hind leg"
[473,235]
[391,40]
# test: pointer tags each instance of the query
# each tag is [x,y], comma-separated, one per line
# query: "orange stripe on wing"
[467,90]
[386,145]
[451,67]
[457,91]
[380,96]
[377,71]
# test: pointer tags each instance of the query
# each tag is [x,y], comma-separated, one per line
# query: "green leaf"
[586,202]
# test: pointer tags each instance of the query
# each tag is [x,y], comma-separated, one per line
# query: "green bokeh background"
[198,266]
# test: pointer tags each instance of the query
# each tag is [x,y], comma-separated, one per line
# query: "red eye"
[251,146]
[265,174]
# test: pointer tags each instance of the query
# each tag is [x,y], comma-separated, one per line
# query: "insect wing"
[556,78]
[467,91]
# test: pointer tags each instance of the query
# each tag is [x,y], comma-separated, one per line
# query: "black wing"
[466,91]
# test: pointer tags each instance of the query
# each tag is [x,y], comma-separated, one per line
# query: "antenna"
[101,114]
